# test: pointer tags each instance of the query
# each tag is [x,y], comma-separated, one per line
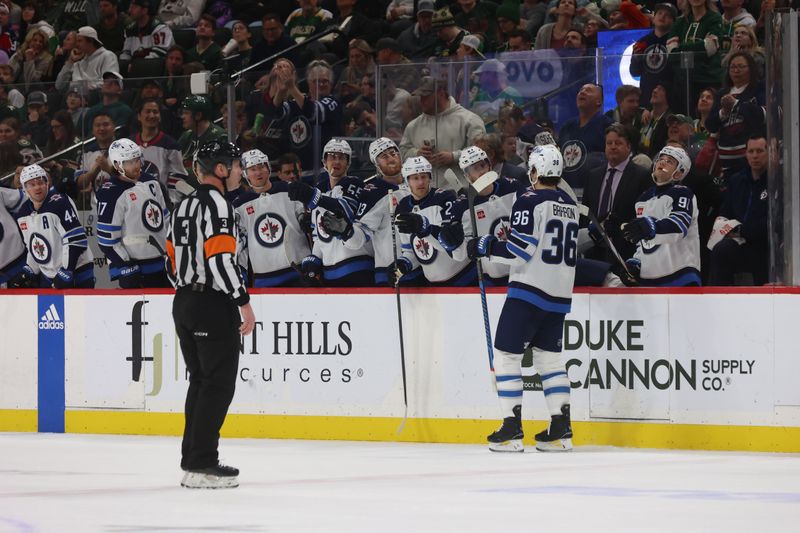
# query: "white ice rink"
[83,483]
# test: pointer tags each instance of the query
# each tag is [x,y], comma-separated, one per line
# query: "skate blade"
[194,480]
[560,445]
[507,446]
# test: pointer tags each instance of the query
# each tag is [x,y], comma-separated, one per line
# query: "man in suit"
[612,190]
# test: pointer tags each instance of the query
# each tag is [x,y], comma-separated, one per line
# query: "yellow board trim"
[459,431]
[24,420]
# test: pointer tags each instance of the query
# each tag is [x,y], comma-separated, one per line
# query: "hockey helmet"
[252,158]
[416,165]
[378,146]
[547,161]
[337,146]
[123,150]
[214,152]
[471,155]
[31,172]
[680,156]
[198,103]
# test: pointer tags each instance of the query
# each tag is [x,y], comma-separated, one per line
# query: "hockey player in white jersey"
[373,218]
[13,254]
[270,233]
[330,260]
[542,252]
[58,252]
[132,220]
[492,209]
[665,230]
[418,219]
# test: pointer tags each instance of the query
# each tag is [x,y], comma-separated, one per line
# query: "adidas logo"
[51,320]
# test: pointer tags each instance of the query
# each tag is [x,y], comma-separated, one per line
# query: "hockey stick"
[399,313]
[183,187]
[475,188]
[584,210]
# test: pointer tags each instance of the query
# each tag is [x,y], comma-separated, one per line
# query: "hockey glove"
[26,279]
[305,194]
[311,268]
[395,272]
[451,236]
[305,221]
[412,223]
[130,277]
[480,246]
[63,279]
[642,228]
[635,268]
[339,227]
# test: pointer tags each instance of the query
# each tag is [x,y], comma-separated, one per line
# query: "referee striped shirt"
[202,244]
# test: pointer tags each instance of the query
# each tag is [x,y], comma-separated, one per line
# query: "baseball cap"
[110,74]
[37,98]
[89,33]
[677,117]
[388,43]
[425,6]
[491,65]
[668,7]
[474,42]
[428,86]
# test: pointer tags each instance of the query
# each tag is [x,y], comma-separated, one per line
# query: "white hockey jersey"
[162,159]
[672,257]
[374,224]
[437,265]
[337,259]
[54,236]
[149,42]
[270,237]
[12,248]
[131,217]
[492,214]
[542,249]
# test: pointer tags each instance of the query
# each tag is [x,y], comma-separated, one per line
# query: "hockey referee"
[208,300]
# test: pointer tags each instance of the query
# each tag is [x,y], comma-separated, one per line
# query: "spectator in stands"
[111,103]
[400,15]
[240,43]
[654,131]
[70,16]
[507,18]
[649,60]
[95,169]
[492,144]
[11,133]
[705,103]
[612,189]
[61,137]
[146,37]
[87,62]
[402,73]
[493,90]
[746,247]
[470,49]
[181,13]
[37,126]
[175,86]
[62,53]
[448,34]
[205,50]
[699,31]
[738,112]
[289,167]
[744,40]
[442,130]
[354,25]
[627,111]
[519,41]
[10,95]
[111,28]
[734,14]
[767,6]
[160,152]
[307,20]
[30,16]
[32,62]
[533,14]
[420,39]
[8,37]
[360,64]
[591,28]
[76,105]
[581,138]
[552,35]
[679,130]
[273,40]
[476,16]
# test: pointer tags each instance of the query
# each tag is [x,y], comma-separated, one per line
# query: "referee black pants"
[207,324]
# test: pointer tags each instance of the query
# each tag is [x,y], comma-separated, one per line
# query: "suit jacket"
[634,181]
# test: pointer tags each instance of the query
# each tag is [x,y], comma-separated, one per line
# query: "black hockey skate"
[509,437]
[213,477]
[558,436]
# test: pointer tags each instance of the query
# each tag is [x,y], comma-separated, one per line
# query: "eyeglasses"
[739,67]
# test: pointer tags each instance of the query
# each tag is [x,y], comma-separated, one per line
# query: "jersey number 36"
[562,245]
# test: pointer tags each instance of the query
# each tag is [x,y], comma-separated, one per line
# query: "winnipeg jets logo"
[39,248]
[656,57]
[424,251]
[500,229]
[574,154]
[298,131]
[152,217]
[320,228]
[269,229]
